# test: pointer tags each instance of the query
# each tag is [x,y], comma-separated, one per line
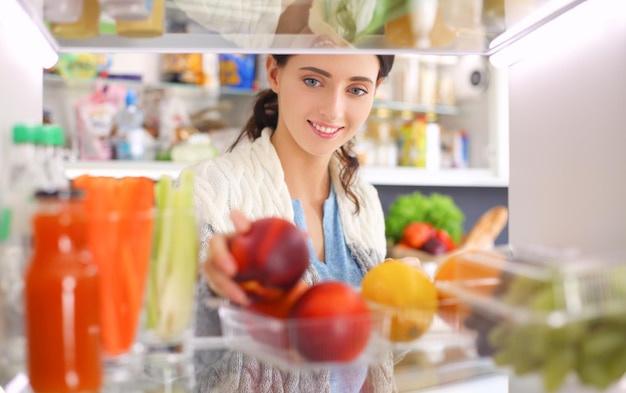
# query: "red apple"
[271,257]
[330,322]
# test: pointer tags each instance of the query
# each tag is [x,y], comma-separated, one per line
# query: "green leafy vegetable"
[355,19]
[439,210]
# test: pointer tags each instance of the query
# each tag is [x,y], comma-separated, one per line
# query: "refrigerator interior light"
[572,25]
[31,37]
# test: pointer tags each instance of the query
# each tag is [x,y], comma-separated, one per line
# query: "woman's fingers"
[240,221]
[226,287]
[412,261]
[219,270]
[220,266]
[220,255]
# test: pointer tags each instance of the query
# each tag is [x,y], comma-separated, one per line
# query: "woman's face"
[323,99]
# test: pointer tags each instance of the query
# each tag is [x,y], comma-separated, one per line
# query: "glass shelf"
[416,107]
[457,27]
[59,81]
[383,176]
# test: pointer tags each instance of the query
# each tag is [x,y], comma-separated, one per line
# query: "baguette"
[483,234]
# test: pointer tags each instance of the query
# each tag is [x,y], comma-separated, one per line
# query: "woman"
[294,160]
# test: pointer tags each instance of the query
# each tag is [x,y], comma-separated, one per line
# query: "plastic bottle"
[131,140]
[87,26]
[51,142]
[61,297]
[433,142]
[414,145]
[15,240]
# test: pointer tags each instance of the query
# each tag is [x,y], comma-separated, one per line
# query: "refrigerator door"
[568,133]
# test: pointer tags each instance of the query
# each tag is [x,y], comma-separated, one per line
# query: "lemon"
[406,293]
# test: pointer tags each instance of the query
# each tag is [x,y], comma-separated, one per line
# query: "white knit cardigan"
[251,179]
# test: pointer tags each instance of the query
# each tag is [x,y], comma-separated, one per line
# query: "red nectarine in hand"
[271,257]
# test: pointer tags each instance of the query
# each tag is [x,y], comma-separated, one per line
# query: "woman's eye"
[311,82]
[357,91]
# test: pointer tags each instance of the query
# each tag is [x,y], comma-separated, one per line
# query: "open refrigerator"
[564,60]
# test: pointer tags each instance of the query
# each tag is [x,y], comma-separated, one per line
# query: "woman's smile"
[324,130]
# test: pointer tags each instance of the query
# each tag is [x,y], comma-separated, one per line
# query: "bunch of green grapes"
[594,349]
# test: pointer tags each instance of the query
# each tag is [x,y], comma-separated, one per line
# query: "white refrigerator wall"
[20,90]
[568,142]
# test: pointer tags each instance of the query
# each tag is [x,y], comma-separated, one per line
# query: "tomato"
[446,239]
[416,234]
[330,322]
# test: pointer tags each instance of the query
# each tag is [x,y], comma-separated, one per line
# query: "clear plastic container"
[198,147]
[130,10]
[62,11]
[272,339]
[146,27]
[87,25]
[554,313]
[414,28]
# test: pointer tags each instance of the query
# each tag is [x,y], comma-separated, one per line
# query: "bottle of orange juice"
[61,293]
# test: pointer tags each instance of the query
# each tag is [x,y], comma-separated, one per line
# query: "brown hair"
[265,114]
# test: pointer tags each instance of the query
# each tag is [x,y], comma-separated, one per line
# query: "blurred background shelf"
[400,176]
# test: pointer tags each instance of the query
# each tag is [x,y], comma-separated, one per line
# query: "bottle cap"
[50,135]
[131,97]
[23,133]
[383,112]
[5,224]
[58,135]
[63,194]
[431,117]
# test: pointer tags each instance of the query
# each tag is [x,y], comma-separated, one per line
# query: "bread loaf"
[484,233]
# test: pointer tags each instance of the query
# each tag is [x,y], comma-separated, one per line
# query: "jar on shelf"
[428,80]
[413,29]
[61,293]
[433,142]
[413,151]
[380,139]
[87,25]
[62,11]
[149,27]
[446,90]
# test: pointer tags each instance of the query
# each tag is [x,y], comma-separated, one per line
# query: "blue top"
[339,266]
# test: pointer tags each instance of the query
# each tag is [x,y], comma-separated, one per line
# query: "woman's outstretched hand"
[220,267]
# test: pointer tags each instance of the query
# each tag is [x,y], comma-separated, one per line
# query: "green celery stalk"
[179,261]
[162,243]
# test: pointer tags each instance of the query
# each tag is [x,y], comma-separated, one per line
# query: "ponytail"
[265,114]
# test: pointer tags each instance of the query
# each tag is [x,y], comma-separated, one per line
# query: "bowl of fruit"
[431,227]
